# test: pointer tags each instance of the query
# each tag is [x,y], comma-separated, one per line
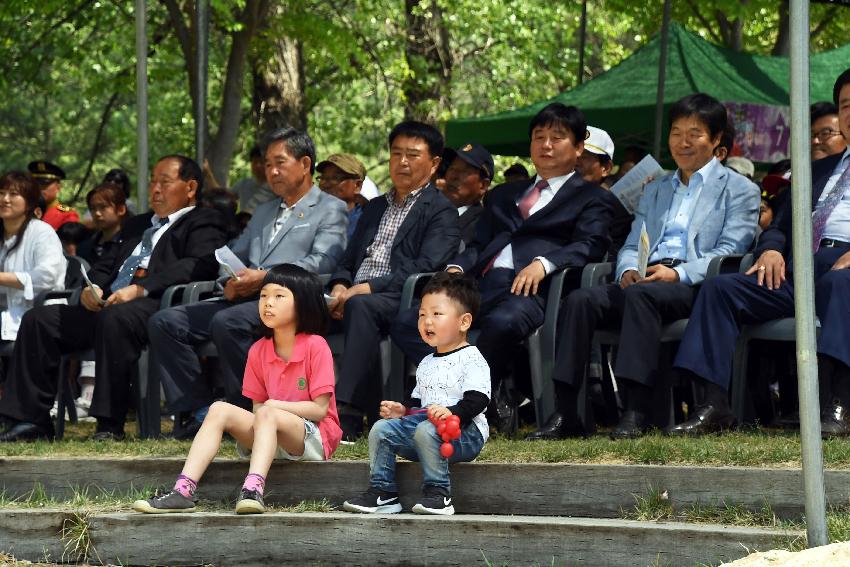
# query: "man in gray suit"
[700,211]
[303,226]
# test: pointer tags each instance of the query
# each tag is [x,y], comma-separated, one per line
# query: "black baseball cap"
[475,155]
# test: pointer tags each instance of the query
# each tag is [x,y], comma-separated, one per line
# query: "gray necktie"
[131,264]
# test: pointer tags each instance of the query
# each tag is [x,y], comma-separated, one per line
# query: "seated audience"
[107,204]
[172,244]
[827,139]
[253,191]
[528,230]
[468,176]
[700,211]
[303,226]
[413,228]
[72,235]
[766,292]
[120,178]
[342,176]
[31,259]
[225,203]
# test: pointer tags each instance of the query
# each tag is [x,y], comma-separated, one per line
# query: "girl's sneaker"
[250,502]
[435,501]
[165,504]
[374,501]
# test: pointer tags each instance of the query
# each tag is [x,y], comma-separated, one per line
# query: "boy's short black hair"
[425,132]
[458,287]
[311,311]
[560,114]
[705,108]
[73,233]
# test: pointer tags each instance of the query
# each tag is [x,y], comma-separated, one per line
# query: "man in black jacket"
[468,177]
[528,230]
[411,229]
[172,245]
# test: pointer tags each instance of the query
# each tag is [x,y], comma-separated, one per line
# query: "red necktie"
[525,205]
[531,198]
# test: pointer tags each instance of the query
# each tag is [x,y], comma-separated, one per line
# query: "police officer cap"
[45,172]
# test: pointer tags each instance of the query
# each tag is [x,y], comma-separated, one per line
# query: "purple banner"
[762,133]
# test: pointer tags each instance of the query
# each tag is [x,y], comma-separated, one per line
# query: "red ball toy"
[446,450]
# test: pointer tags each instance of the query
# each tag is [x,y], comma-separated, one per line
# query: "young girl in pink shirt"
[289,376]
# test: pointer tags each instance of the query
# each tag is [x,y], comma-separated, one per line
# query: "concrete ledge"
[600,491]
[347,539]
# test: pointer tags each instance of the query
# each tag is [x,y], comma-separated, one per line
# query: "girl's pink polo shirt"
[308,374]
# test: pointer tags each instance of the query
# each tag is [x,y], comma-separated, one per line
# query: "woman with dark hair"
[31,259]
[108,207]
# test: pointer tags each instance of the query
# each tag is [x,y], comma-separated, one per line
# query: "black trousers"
[504,321]
[366,321]
[640,311]
[174,334]
[117,333]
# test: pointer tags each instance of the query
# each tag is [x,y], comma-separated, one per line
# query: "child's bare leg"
[273,427]
[221,417]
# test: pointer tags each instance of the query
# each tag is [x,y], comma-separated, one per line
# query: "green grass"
[755,448]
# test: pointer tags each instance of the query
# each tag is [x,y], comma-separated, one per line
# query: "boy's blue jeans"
[415,438]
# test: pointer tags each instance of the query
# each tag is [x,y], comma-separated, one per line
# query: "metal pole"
[662,70]
[201,47]
[582,40]
[804,297]
[141,106]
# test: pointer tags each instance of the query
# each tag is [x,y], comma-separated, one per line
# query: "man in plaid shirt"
[411,229]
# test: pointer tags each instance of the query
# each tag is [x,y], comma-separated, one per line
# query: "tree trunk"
[221,147]
[429,60]
[279,98]
[782,47]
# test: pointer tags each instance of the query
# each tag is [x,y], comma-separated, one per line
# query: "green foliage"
[67,69]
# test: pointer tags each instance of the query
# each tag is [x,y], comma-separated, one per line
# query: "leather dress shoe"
[632,425]
[707,419]
[24,431]
[108,436]
[834,421]
[506,413]
[555,428]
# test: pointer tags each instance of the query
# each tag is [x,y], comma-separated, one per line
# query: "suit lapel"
[565,192]
[712,188]
[415,212]
[663,202]
[297,217]
[819,184]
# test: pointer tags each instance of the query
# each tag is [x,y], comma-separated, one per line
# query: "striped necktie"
[825,207]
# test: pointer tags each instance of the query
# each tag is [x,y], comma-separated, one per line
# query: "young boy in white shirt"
[454,380]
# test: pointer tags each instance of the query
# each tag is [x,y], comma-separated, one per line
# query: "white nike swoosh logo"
[446,501]
[381,501]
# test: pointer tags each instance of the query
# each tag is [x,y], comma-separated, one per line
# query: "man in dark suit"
[528,230]
[468,177]
[765,292]
[172,245]
[411,229]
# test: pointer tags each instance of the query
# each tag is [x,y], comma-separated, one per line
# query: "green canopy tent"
[622,100]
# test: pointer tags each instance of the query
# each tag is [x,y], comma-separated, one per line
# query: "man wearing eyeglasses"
[826,135]
[342,176]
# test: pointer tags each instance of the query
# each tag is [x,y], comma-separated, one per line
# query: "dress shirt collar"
[703,173]
[410,196]
[555,183]
[298,351]
[172,218]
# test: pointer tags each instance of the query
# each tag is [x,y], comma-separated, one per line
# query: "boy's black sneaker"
[435,500]
[250,502]
[165,503]
[374,501]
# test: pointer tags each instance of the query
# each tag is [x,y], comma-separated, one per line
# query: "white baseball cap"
[599,142]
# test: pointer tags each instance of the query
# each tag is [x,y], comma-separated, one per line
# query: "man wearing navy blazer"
[173,245]
[412,228]
[766,292]
[303,226]
[700,211]
[528,230]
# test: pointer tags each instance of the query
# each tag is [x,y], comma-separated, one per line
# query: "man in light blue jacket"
[700,211]
[303,226]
